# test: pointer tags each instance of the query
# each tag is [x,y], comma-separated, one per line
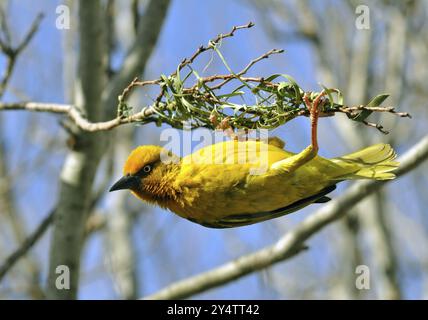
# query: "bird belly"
[205,205]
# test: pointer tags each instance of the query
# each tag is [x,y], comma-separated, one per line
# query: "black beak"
[126,182]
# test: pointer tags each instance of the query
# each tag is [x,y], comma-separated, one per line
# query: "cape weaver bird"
[221,192]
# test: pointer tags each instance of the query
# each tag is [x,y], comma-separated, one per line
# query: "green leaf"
[340,99]
[187,104]
[296,87]
[232,94]
[375,102]
[282,86]
[330,96]
[273,77]
[164,79]
[177,74]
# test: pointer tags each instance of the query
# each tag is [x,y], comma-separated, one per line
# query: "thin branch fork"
[187,61]
[12,52]
[226,77]
[380,109]
[212,43]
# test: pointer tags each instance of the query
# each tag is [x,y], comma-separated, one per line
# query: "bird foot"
[314,112]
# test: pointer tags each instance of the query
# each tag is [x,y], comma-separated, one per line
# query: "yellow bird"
[215,188]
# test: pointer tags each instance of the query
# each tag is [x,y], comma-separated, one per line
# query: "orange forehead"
[141,156]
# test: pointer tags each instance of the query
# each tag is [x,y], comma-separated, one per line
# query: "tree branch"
[78,171]
[76,115]
[7,202]
[28,243]
[94,97]
[13,52]
[148,32]
[147,113]
[293,241]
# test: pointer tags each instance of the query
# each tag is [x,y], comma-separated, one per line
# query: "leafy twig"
[187,98]
[197,104]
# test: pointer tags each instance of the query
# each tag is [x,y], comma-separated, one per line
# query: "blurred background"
[130,250]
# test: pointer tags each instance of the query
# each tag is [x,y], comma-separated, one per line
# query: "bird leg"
[294,162]
[314,113]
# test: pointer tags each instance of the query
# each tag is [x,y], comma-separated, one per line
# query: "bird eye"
[147,168]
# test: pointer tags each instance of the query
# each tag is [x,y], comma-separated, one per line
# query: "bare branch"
[145,115]
[29,242]
[76,116]
[33,29]
[148,31]
[4,31]
[13,52]
[97,99]
[293,241]
[77,178]
[212,43]
[7,198]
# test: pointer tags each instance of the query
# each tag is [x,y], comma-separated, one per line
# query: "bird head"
[144,170]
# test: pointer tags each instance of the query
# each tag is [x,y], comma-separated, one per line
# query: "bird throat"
[159,187]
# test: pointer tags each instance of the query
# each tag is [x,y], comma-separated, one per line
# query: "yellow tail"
[375,162]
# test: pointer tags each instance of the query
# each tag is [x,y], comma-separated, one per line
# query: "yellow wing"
[240,152]
[244,219]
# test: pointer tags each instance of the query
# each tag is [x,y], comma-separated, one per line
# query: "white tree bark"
[120,249]
[81,162]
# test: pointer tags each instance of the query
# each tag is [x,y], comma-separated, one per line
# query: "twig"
[26,245]
[76,116]
[134,83]
[347,109]
[375,125]
[211,44]
[185,62]
[239,75]
[290,243]
[33,29]
[13,52]
[4,28]
[254,61]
